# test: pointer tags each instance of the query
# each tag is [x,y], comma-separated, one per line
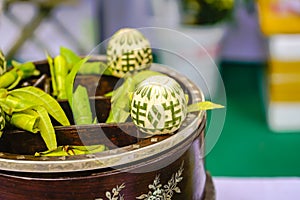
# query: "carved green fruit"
[2,120]
[127,51]
[158,105]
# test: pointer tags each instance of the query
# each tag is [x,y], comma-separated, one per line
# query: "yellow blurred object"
[284,81]
[279,16]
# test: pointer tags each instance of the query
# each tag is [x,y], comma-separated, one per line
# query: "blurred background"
[254,46]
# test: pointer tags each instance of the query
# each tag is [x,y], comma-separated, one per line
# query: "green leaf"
[28,69]
[205,105]
[27,120]
[70,80]
[12,104]
[46,128]
[39,97]
[70,56]
[95,68]
[82,111]
[139,77]
[73,150]
[120,100]
[16,82]
[8,78]
[117,115]
[52,73]
[61,71]
[109,94]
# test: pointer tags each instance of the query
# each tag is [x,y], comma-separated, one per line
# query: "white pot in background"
[191,50]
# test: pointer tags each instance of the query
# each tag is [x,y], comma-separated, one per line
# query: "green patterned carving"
[158,105]
[2,120]
[139,113]
[127,51]
[154,115]
[2,63]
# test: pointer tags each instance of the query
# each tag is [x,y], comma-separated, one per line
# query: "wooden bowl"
[134,167]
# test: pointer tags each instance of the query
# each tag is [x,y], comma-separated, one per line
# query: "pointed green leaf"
[27,120]
[139,77]
[59,151]
[61,71]
[205,105]
[28,69]
[82,111]
[109,94]
[52,73]
[46,129]
[39,97]
[17,81]
[70,56]
[70,80]
[95,68]
[73,150]
[12,104]
[120,100]
[8,78]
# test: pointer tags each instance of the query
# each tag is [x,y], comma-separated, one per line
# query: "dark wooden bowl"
[134,167]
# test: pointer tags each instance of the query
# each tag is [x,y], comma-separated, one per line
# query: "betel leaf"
[69,150]
[28,69]
[45,127]
[27,120]
[39,97]
[52,73]
[61,71]
[120,101]
[16,81]
[70,80]
[99,68]
[70,56]
[139,77]
[82,111]
[12,104]
[205,105]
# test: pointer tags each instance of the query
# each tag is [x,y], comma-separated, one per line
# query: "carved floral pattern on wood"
[157,191]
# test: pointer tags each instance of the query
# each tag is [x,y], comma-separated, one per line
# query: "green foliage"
[206,11]
[45,127]
[95,68]
[28,108]
[39,97]
[205,105]
[70,80]
[70,150]
[10,79]
[82,111]
[120,100]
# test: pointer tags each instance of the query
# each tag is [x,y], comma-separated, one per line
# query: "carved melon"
[2,120]
[158,105]
[128,51]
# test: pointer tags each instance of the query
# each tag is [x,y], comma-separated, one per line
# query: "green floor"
[246,146]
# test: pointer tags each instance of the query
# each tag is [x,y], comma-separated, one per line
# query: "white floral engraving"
[114,194]
[159,192]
